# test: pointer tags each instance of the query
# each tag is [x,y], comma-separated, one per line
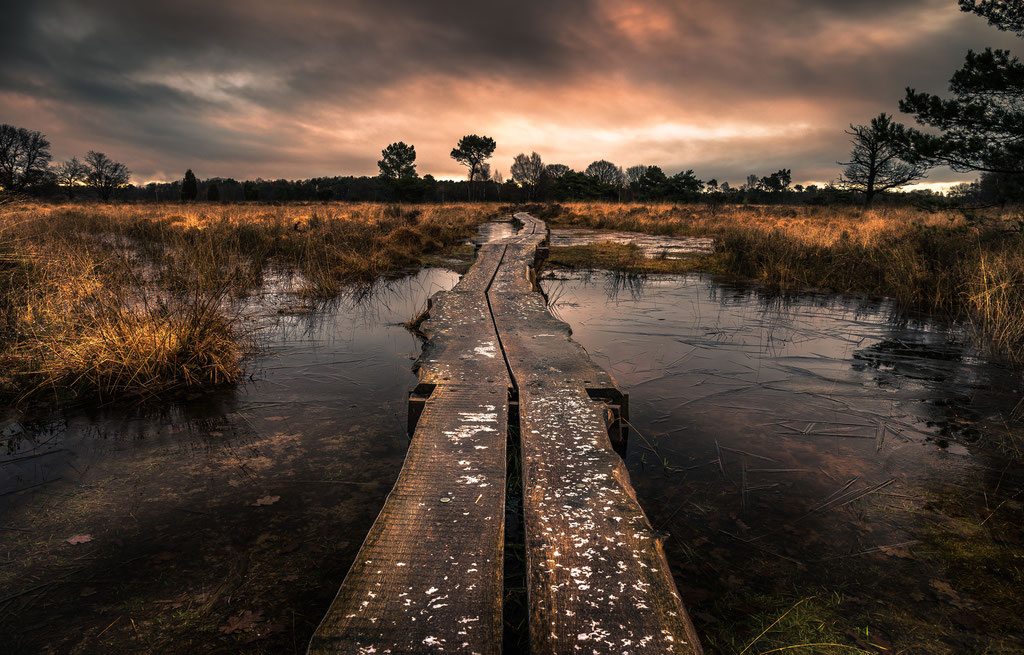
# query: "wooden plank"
[597,576]
[428,577]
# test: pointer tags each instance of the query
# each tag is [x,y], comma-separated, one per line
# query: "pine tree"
[189,187]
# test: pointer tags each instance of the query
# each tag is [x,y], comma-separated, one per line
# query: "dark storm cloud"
[307,88]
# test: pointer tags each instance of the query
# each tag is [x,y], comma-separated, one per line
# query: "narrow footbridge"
[429,576]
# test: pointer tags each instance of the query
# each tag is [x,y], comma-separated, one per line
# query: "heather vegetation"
[964,264]
[113,300]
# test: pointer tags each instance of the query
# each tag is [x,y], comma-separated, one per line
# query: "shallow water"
[195,511]
[791,448]
[650,245]
[814,445]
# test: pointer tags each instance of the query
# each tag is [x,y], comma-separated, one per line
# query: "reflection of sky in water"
[798,396]
[351,361]
[779,422]
[650,245]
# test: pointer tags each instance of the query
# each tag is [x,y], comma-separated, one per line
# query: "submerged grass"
[628,258]
[967,265]
[138,299]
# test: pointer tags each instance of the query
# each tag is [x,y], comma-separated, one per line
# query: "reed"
[112,300]
[965,265]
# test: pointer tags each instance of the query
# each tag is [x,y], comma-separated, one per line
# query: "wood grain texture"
[597,577]
[428,577]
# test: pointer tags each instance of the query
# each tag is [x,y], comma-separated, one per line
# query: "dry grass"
[968,266]
[141,298]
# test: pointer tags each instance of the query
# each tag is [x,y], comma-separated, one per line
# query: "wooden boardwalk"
[429,575]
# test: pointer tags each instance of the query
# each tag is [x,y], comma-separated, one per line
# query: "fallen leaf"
[164,556]
[244,621]
[266,500]
[291,545]
[79,539]
[275,418]
[289,578]
[87,591]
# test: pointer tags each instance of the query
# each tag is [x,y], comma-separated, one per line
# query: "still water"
[816,447]
[815,450]
[649,245]
[221,522]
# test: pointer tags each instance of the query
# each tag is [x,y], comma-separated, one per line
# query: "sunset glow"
[311,88]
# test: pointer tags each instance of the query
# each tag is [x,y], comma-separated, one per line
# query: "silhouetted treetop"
[70,174]
[105,175]
[555,171]
[1007,15]
[189,186]
[398,161]
[527,169]
[472,151]
[876,164]
[982,126]
[24,157]
[606,172]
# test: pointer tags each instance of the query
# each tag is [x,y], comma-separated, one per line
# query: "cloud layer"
[271,89]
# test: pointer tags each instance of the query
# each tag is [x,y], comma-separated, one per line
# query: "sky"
[306,88]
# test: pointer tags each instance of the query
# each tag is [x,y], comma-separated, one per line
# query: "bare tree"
[527,171]
[555,171]
[24,157]
[498,180]
[70,174]
[607,172]
[483,173]
[634,173]
[875,165]
[105,175]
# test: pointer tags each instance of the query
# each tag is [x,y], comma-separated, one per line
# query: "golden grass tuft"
[116,299]
[968,266]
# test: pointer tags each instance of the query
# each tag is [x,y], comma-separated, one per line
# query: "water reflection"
[252,498]
[650,245]
[810,441]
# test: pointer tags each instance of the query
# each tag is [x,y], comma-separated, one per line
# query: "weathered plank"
[428,577]
[597,576]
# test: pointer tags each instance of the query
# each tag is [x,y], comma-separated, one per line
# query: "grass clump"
[787,624]
[968,266]
[138,299]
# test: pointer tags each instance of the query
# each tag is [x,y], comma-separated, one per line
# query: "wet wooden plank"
[428,577]
[597,576]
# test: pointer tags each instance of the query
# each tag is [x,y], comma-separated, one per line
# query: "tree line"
[25,166]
